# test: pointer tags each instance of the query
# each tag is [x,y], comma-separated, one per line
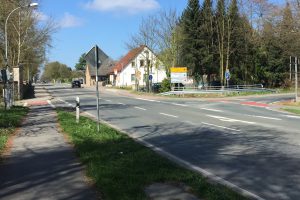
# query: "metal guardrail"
[219,89]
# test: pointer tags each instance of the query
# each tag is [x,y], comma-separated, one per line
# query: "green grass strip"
[9,120]
[291,110]
[122,168]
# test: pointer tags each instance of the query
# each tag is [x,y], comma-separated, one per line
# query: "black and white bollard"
[77,109]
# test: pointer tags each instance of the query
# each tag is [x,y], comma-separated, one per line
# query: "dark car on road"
[76,84]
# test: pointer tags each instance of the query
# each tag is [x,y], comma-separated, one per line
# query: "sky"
[107,23]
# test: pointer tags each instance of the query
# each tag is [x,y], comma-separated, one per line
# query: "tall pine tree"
[191,43]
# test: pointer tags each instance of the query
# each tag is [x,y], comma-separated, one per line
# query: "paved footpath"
[41,165]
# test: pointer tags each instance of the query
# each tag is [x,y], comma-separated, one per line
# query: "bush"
[165,85]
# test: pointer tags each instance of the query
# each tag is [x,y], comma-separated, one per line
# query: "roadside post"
[296,79]
[77,109]
[95,57]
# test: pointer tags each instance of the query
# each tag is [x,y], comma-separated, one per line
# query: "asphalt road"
[242,140]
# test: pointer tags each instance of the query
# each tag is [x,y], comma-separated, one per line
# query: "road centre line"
[177,104]
[209,109]
[108,100]
[121,104]
[140,108]
[232,129]
[151,100]
[263,117]
[292,116]
[225,119]
[168,115]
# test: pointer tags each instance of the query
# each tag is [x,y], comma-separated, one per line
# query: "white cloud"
[69,21]
[40,16]
[129,6]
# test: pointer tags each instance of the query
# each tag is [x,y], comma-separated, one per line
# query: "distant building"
[103,73]
[131,70]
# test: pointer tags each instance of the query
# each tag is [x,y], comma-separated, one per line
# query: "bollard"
[77,109]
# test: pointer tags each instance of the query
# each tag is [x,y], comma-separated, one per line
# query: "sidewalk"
[41,165]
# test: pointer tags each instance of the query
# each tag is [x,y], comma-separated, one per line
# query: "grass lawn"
[122,168]
[9,120]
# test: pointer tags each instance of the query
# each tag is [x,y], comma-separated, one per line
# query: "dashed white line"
[121,104]
[177,104]
[263,117]
[210,109]
[292,116]
[168,115]
[225,119]
[223,127]
[108,100]
[151,100]
[140,108]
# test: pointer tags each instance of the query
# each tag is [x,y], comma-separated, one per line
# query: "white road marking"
[210,109]
[225,119]
[151,100]
[108,100]
[50,103]
[292,116]
[263,117]
[177,104]
[223,127]
[121,104]
[140,108]
[165,114]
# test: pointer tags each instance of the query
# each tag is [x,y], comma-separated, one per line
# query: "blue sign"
[227,75]
[150,77]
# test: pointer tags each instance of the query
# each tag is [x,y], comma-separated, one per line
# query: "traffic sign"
[91,57]
[227,75]
[178,69]
[150,77]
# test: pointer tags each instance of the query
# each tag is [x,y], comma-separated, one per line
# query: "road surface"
[241,140]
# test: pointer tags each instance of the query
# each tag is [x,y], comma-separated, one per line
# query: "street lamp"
[31,5]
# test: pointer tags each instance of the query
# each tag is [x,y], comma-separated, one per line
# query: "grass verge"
[291,110]
[121,168]
[9,120]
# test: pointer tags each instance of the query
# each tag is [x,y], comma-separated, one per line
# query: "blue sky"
[107,23]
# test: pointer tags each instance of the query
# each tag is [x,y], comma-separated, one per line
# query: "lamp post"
[31,5]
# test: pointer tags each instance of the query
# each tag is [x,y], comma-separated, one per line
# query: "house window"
[142,63]
[133,64]
[132,77]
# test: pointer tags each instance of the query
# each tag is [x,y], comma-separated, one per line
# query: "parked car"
[76,84]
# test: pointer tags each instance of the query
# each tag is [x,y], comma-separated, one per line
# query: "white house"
[132,69]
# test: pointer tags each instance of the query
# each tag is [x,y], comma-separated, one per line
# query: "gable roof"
[104,70]
[128,58]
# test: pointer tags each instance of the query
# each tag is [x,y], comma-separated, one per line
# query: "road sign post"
[227,77]
[95,57]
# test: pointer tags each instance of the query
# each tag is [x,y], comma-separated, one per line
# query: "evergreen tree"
[208,34]
[80,66]
[191,42]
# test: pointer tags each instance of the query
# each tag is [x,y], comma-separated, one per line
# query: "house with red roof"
[137,67]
